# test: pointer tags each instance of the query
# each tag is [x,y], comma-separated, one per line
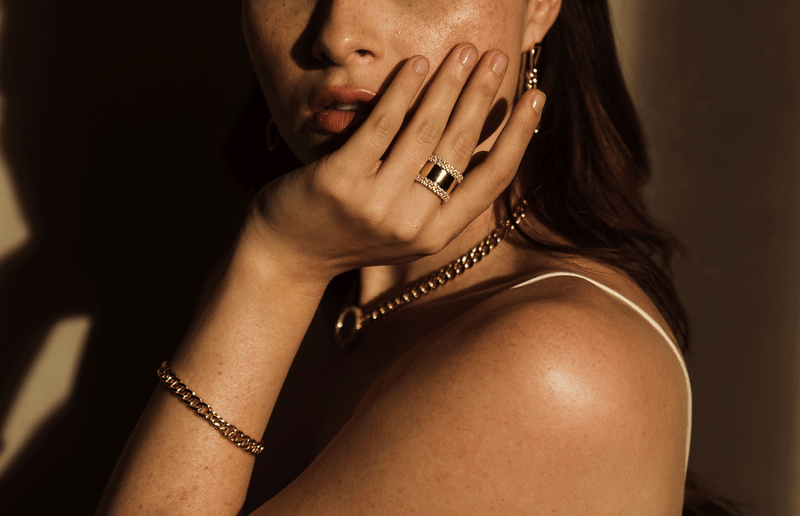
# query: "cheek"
[433,28]
[279,40]
[270,49]
[491,24]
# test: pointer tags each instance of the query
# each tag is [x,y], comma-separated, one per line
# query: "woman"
[541,380]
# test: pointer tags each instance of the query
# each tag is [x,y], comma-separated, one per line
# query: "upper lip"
[331,95]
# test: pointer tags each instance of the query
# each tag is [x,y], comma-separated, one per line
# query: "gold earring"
[532,73]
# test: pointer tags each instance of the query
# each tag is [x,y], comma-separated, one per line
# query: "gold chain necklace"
[353,319]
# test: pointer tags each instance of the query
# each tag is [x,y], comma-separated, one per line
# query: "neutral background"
[131,144]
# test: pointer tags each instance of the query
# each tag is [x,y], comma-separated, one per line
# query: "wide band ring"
[433,187]
[440,177]
[447,167]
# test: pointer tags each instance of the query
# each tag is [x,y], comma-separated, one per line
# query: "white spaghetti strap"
[649,319]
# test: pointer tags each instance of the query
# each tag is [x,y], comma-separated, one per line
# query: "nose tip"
[346,35]
[339,51]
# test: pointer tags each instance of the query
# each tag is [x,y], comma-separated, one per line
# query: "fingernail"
[468,56]
[421,65]
[539,99]
[499,64]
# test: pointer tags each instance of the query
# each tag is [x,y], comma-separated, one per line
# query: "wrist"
[263,256]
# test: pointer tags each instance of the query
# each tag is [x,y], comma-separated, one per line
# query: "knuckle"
[463,145]
[408,88]
[453,80]
[498,179]
[432,247]
[427,132]
[407,232]
[431,242]
[327,187]
[329,184]
[384,126]
[372,218]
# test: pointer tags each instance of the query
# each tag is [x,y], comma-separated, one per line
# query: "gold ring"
[447,167]
[433,187]
[439,176]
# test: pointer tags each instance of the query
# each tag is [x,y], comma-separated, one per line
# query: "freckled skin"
[550,398]
[289,43]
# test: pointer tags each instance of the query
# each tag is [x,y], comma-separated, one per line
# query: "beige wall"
[51,376]
[716,84]
[717,87]
[13,229]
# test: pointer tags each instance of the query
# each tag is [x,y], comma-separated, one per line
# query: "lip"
[338,108]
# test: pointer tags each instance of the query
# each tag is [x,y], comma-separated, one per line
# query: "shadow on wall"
[716,85]
[135,142]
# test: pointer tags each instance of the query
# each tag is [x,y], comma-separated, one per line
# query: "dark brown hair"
[583,175]
[584,171]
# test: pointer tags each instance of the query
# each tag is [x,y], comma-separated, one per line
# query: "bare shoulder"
[568,347]
[591,367]
[566,337]
[551,399]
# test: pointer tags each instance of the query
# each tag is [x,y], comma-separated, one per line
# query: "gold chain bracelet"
[202,409]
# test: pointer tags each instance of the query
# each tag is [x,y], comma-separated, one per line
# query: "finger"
[457,145]
[419,138]
[487,181]
[370,141]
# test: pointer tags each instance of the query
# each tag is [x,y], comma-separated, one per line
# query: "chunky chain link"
[363,318]
[202,409]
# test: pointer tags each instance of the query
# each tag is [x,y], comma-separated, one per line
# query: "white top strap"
[649,319]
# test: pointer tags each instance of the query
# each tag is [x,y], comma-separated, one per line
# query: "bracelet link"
[203,410]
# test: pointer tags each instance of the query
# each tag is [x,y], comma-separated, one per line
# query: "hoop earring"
[531,70]
[273,136]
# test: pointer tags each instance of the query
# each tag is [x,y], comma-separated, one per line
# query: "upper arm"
[534,408]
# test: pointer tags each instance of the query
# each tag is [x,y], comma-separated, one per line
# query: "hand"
[351,209]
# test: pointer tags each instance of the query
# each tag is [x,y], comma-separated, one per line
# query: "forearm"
[356,206]
[235,357]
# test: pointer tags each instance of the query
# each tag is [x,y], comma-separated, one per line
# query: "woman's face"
[321,63]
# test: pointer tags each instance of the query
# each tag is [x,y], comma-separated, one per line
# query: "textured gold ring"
[447,167]
[433,187]
[439,176]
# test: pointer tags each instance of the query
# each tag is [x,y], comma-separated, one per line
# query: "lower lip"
[337,121]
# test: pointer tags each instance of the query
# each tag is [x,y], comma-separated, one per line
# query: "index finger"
[370,141]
